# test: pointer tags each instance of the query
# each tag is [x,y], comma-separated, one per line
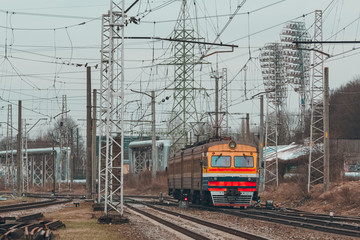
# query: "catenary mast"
[111,159]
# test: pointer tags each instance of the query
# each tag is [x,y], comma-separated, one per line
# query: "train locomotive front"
[220,173]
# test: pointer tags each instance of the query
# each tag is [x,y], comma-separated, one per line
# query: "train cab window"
[244,161]
[221,161]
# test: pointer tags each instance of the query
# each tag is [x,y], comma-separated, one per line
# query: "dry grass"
[343,198]
[145,184]
[81,224]
[88,229]
[286,193]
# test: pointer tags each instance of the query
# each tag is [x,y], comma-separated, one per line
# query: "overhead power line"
[49,15]
[185,41]
[325,42]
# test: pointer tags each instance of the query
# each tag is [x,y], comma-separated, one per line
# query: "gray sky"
[47,41]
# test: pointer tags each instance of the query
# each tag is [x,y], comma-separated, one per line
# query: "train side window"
[221,161]
[244,161]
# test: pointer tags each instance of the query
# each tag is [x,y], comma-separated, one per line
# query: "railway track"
[342,225]
[191,220]
[62,196]
[308,221]
[26,206]
[340,218]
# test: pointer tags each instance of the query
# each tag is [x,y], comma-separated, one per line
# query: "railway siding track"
[303,222]
[313,220]
[321,216]
[57,195]
[26,206]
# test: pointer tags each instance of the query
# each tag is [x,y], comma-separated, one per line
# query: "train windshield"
[220,161]
[244,161]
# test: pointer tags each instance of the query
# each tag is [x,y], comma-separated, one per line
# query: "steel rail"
[2,207]
[231,231]
[169,224]
[46,195]
[305,222]
[309,219]
[26,206]
[325,217]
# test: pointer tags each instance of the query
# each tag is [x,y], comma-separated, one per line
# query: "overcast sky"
[45,45]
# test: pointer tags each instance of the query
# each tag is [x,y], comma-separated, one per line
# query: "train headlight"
[232,145]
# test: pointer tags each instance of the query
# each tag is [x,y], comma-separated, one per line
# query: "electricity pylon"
[184,108]
[317,132]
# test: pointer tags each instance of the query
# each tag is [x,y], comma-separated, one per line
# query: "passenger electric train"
[219,173]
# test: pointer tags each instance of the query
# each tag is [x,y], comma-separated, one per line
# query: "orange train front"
[221,173]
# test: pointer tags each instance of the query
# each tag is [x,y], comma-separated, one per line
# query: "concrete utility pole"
[93,149]
[153,130]
[77,149]
[326,130]
[71,158]
[88,132]
[247,126]
[19,154]
[261,145]
[54,166]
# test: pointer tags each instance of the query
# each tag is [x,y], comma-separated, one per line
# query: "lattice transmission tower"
[63,171]
[184,113]
[297,64]
[224,103]
[111,130]
[272,67]
[9,158]
[317,132]
[26,165]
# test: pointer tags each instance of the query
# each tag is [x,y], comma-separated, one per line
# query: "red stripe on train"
[233,184]
[217,189]
[230,170]
[246,189]
[239,189]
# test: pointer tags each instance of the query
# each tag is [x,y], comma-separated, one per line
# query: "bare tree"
[345,111]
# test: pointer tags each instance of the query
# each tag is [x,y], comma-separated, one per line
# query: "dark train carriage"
[222,173]
[184,172]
